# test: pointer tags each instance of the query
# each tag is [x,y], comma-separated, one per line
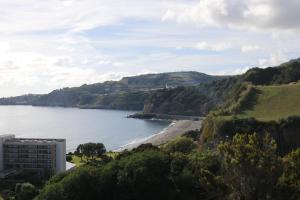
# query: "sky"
[50,44]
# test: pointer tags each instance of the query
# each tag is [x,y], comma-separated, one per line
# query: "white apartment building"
[46,156]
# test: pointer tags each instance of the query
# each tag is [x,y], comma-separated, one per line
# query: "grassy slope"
[269,103]
[78,161]
[275,102]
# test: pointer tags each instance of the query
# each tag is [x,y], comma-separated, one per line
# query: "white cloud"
[246,14]
[248,48]
[169,15]
[73,15]
[38,64]
[236,71]
[214,47]
[274,60]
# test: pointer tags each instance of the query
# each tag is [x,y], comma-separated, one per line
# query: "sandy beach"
[175,129]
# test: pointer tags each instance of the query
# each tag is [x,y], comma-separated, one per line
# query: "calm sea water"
[78,126]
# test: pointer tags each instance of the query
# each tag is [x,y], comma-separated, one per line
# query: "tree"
[180,144]
[90,150]
[252,166]
[79,151]
[99,149]
[197,175]
[25,191]
[144,175]
[69,158]
[289,183]
[52,191]
[87,150]
[141,175]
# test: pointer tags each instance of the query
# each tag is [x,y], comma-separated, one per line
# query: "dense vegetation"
[22,186]
[246,167]
[179,101]
[194,100]
[285,73]
[285,131]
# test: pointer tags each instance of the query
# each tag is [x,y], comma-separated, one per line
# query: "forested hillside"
[264,101]
[219,93]
[245,167]
[126,94]
[194,100]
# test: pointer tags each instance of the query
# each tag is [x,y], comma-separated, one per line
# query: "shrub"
[69,158]
[180,144]
[289,182]
[25,191]
[252,166]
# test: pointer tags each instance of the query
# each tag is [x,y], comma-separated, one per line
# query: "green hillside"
[269,109]
[127,94]
[274,102]
[227,96]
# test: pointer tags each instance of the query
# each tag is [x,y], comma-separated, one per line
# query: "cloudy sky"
[49,44]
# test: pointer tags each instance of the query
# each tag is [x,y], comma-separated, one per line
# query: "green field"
[78,161]
[274,102]
[81,161]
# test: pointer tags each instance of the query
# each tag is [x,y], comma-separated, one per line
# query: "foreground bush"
[25,191]
[289,183]
[246,167]
[146,173]
[252,166]
[180,144]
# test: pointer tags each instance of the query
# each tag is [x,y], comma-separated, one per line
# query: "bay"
[111,127]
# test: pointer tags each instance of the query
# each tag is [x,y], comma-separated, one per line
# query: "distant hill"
[172,79]
[128,94]
[20,100]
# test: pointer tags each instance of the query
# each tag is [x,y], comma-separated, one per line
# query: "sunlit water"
[76,125]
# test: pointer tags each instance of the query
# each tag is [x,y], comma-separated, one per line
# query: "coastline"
[176,128]
[142,115]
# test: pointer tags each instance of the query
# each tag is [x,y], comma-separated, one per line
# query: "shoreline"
[176,128]
[141,115]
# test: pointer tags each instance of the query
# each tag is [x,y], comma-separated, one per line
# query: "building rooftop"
[7,136]
[34,140]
